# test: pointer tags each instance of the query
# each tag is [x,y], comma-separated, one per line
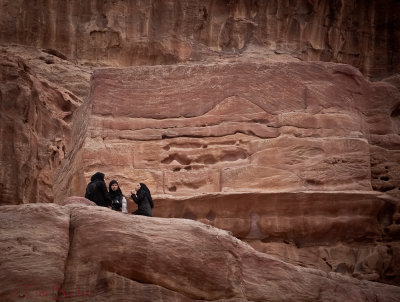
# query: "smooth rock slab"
[117,257]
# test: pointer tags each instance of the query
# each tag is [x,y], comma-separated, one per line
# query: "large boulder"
[96,254]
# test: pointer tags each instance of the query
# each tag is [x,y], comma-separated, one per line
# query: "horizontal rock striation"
[285,155]
[298,159]
[233,127]
[317,136]
[352,233]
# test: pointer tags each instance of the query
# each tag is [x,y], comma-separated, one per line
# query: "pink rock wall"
[36,116]
[352,233]
[291,152]
[242,127]
[364,34]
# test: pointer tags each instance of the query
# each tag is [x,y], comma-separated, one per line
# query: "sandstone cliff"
[231,119]
[39,95]
[306,144]
[244,126]
[363,33]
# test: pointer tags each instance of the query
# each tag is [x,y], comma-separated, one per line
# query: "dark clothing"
[116,196]
[146,189]
[98,194]
[97,176]
[144,201]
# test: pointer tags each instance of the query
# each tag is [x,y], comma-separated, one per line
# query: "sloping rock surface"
[352,233]
[96,254]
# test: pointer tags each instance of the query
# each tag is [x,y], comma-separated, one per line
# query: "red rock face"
[39,94]
[364,34]
[352,233]
[36,118]
[77,200]
[241,127]
[150,259]
[299,159]
[276,127]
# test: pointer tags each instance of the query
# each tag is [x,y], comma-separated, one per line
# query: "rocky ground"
[56,252]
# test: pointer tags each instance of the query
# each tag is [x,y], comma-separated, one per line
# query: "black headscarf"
[114,194]
[97,176]
[146,191]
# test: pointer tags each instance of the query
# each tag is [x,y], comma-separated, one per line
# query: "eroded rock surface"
[79,252]
[36,120]
[229,127]
[364,33]
[316,138]
[290,156]
[353,233]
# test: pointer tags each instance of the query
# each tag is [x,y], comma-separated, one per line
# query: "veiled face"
[114,187]
[137,187]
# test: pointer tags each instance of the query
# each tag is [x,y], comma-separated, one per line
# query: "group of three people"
[96,191]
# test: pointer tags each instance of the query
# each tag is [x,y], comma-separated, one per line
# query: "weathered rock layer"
[287,129]
[39,94]
[299,159]
[150,259]
[229,127]
[364,33]
[352,233]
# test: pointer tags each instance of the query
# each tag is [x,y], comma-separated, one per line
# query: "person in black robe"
[142,197]
[96,190]
[115,195]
